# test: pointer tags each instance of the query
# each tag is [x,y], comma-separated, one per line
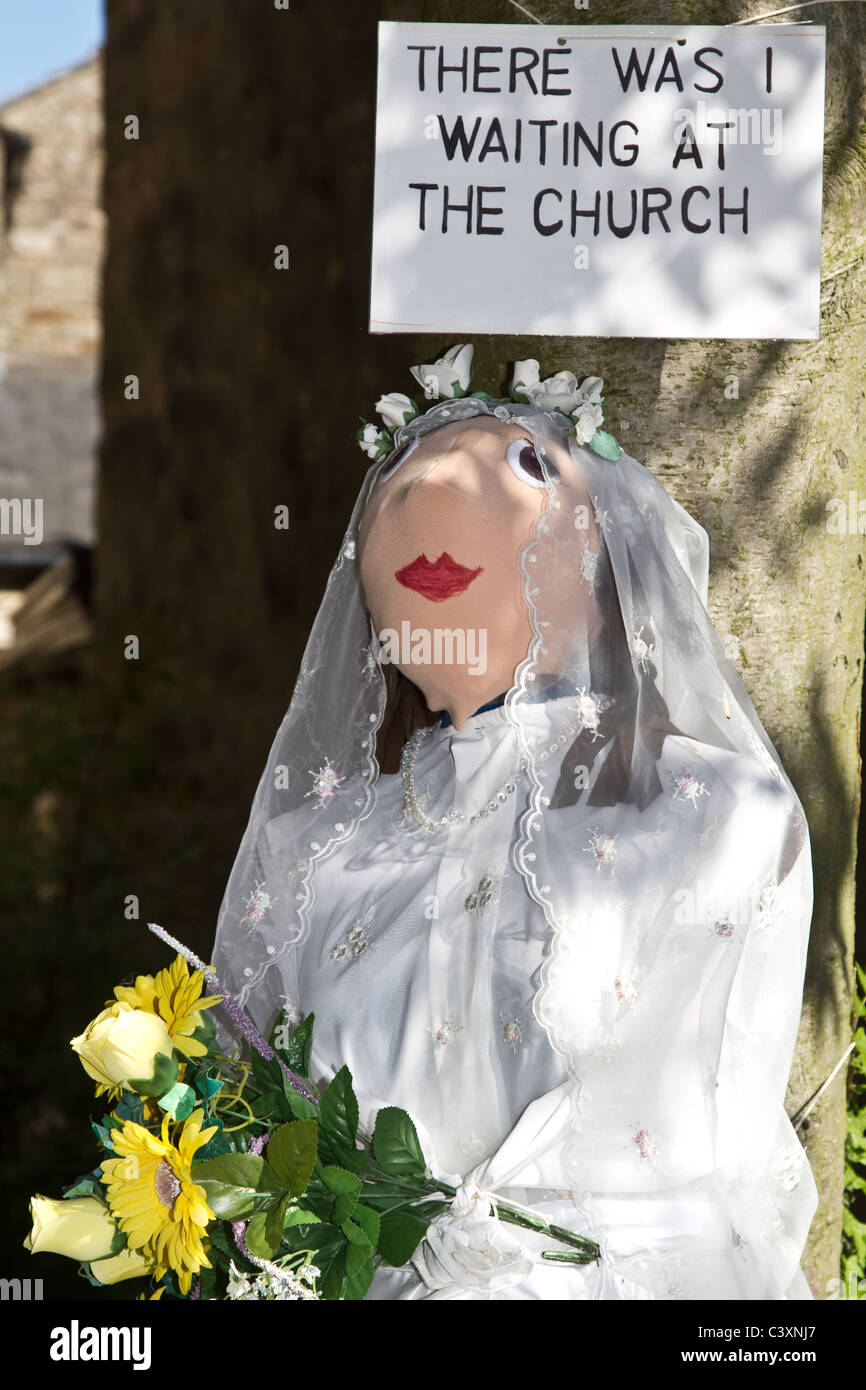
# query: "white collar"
[535,714]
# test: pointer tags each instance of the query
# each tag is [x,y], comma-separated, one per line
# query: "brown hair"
[405,711]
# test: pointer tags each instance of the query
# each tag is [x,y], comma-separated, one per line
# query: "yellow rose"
[129,1264]
[80,1227]
[120,1043]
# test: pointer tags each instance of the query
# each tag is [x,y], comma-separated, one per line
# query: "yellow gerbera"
[174,995]
[154,1199]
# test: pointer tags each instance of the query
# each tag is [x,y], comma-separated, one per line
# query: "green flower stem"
[585,1250]
[588,1249]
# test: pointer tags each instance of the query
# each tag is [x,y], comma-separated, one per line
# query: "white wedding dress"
[422,974]
[588,997]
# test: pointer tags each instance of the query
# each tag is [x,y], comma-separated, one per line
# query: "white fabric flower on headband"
[375,442]
[449,376]
[396,409]
[561,392]
[588,417]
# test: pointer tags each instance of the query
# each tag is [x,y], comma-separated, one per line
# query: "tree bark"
[786,595]
[255,132]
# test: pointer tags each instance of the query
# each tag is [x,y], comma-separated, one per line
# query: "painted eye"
[391,464]
[526,465]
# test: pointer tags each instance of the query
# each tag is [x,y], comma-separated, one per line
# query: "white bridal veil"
[662,843]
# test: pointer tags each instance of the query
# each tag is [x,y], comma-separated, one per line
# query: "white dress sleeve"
[716,1198]
[768,1187]
[676,1143]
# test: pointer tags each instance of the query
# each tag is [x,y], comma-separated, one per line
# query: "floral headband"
[449,377]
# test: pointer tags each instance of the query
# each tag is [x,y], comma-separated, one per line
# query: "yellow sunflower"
[174,995]
[154,1199]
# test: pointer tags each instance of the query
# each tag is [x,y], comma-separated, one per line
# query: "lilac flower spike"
[244,1023]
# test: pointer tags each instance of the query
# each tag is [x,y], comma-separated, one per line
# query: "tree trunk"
[786,595]
[255,132]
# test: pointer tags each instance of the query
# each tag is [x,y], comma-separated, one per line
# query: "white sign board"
[613,181]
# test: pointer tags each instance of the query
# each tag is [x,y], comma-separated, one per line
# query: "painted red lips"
[438,580]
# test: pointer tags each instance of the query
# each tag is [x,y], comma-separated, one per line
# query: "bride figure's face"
[439,544]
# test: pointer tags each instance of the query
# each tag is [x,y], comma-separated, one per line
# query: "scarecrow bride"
[524,850]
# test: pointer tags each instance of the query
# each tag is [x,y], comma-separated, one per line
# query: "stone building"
[51,249]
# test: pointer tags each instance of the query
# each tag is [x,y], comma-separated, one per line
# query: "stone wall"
[51,247]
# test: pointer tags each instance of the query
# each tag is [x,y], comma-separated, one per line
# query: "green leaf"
[294,1045]
[164,1076]
[369,1221]
[396,1146]
[604,444]
[267,1072]
[257,1237]
[216,1147]
[356,1260]
[359,1250]
[129,1107]
[338,1117]
[208,1086]
[331,1283]
[269,1182]
[292,1153]
[300,1216]
[338,1180]
[319,1198]
[228,1202]
[103,1134]
[302,1236]
[354,1234]
[239,1170]
[205,1033]
[346,1188]
[323,1237]
[298,1105]
[355,1286]
[88,1186]
[401,1232]
[231,1184]
[179,1101]
[264,1106]
[210,1283]
[343,1208]
[118,1242]
[275,1219]
[222,1238]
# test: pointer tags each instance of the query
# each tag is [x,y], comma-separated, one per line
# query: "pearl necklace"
[453,817]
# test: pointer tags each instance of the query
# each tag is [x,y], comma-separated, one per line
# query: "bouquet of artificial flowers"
[235,1178]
